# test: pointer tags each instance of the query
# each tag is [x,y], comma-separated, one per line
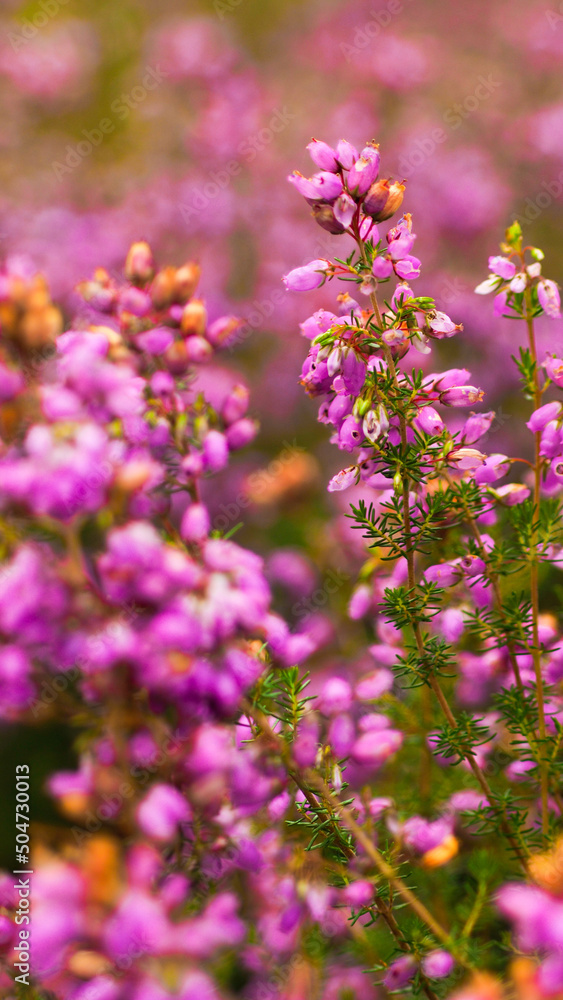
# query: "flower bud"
[324,217]
[186,281]
[323,155]
[236,404]
[194,318]
[364,171]
[304,279]
[195,523]
[383,199]
[139,263]
[347,154]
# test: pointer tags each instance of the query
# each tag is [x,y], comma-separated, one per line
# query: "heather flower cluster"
[246,817]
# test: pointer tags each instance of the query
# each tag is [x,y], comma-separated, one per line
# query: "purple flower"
[161,812]
[502,267]
[376,746]
[364,171]
[549,298]
[461,395]
[324,186]
[304,279]
[437,964]
[323,155]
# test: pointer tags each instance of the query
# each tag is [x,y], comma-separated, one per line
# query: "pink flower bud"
[343,479]
[511,494]
[376,746]
[161,812]
[324,186]
[543,415]
[303,279]
[476,426]
[443,574]
[215,451]
[195,523]
[335,696]
[236,404]
[437,964]
[429,421]
[549,298]
[241,433]
[502,267]
[364,171]
[554,369]
[347,154]
[323,155]
[461,395]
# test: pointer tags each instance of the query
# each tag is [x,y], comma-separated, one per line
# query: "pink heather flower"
[490,284]
[241,433]
[549,298]
[195,523]
[376,746]
[360,602]
[441,325]
[502,267]
[324,186]
[476,426]
[364,171]
[461,395]
[161,812]
[335,696]
[344,209]
[323,155]
[408,268]
[557,468]
[554,369]
[437,964]
[382,268]
[519,282]
[400,972]
[443,574]
[236,404]
[499,304]
[215,451]
[347,154]
[429,421]
[343,479]
[511,494]
[304,279]
[373,685]
[494,467]
[543,415]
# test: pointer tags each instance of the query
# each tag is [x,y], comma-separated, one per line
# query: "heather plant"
[243,819]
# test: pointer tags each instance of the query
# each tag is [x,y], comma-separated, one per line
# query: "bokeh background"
[178,123]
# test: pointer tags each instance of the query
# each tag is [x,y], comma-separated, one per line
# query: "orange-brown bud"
[162,288]
[139,263]
[186,282]
[383,199]
[194,319]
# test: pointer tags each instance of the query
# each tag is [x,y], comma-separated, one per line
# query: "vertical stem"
[534,588]
[518,847]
